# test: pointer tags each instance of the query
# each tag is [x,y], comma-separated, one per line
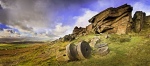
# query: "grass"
[14,46]
[125,50]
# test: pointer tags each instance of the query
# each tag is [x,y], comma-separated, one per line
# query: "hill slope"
[125,50]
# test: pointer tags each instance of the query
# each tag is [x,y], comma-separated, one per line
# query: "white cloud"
[61,30]
[82,21]
[139,6]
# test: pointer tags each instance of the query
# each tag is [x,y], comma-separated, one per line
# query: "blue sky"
[56,18]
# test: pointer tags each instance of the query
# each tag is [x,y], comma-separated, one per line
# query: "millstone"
[103,50]
[84,50]
[100,45]
[71,51]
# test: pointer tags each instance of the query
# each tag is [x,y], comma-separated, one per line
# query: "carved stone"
[71,51]
[84,50]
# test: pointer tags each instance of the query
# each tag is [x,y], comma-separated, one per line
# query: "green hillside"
[125,50]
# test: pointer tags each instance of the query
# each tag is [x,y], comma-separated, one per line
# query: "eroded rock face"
[79,31]
[113,20]
[147,20]
[69,37]
[138,21]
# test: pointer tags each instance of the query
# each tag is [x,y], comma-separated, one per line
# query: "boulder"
[102,49]
[89,28]
[94,41]
[69,37]
[147,20]
[138,21]
[78,30]
[112,20]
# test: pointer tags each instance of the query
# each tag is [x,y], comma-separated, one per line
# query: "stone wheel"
[71,51]
[84,50]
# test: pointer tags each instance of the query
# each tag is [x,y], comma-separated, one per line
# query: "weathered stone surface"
[71,52]
[113,20]
[79,30]
[147,19]
[94,41]
[102,49]
[84,50]
[89,28]
[81,51]
[138,21]
[100,45]
[147,22]
[69,37]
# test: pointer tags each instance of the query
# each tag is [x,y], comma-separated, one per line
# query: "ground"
[125,50]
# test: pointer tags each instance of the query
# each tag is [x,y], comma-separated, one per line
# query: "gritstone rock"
[138,21]
[94,41]
[102,49]
[113,20]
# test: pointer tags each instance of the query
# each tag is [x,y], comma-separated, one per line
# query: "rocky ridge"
[112,20]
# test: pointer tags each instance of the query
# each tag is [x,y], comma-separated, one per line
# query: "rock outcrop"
[112,20]
[79,31]
[147,22]
[138,21]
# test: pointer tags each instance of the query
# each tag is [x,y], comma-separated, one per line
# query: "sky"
[54,18]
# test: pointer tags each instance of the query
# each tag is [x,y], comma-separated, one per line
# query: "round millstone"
[71,51]
[84,50]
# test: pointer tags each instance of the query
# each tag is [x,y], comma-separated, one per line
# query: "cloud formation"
[24,14]
[34,15]
[56,18]
[140,6]
[82,21]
